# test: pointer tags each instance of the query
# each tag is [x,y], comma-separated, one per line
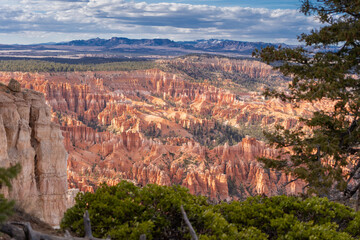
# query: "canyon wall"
[30,138]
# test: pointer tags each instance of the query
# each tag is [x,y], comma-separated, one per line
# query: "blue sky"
[39,21]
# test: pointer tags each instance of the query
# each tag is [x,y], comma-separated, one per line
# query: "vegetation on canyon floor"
[219,135]
[127,211]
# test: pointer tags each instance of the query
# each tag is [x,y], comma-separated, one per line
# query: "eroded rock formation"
[28,137]
[151,126]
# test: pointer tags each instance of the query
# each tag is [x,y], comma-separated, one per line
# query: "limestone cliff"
[28,137]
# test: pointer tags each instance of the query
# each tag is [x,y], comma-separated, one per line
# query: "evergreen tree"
[327,157]
[6,206]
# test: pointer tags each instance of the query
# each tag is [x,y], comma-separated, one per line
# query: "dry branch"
[188,223]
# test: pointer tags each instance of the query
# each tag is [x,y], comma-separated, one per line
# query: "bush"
[283,217]
[126,211]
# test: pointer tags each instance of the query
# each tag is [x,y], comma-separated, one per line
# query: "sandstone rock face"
[28,137]
[150,126]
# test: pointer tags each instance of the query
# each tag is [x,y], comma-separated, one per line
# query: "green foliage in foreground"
[6,206]
[126,211]
[48,66]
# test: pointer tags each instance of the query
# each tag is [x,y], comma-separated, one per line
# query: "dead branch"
[87,225]
[188,223]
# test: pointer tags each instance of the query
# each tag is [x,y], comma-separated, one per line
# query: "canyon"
[168,126]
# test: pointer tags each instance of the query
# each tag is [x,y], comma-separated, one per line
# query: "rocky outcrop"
[28,137]
[14,86]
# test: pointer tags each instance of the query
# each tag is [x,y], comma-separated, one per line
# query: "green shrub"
[281,217]
[125,211]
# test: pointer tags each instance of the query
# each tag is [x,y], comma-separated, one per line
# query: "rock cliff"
[28,137]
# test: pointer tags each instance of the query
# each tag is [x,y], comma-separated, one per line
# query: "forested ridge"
[50,66]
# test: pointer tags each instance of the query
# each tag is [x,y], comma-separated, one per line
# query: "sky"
[42,21]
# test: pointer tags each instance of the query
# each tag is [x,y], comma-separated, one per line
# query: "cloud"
[75,18]
[74,0]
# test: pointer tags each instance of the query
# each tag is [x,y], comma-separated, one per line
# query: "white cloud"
[78,18]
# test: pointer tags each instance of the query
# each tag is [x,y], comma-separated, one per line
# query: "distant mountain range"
[118,47]
[212,45]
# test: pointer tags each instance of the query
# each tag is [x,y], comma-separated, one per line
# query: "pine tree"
[6,206]
[326,68]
